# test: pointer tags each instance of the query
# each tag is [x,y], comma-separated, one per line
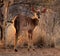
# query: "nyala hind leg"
[15,43]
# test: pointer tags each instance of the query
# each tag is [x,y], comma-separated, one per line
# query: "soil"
[25,52]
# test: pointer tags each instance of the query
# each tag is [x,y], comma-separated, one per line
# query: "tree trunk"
[5,19]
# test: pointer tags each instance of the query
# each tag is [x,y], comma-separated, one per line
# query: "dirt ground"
[25,52]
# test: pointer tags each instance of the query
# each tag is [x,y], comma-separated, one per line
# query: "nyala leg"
[30,42]
[15,43]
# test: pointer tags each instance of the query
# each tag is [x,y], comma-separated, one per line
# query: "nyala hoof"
[15,50]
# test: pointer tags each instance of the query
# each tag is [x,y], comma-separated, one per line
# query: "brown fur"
[22,23]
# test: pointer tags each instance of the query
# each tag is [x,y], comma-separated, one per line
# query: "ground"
[25,52]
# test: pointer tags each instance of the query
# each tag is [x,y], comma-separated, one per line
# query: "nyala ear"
[44,10]
[33,9]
